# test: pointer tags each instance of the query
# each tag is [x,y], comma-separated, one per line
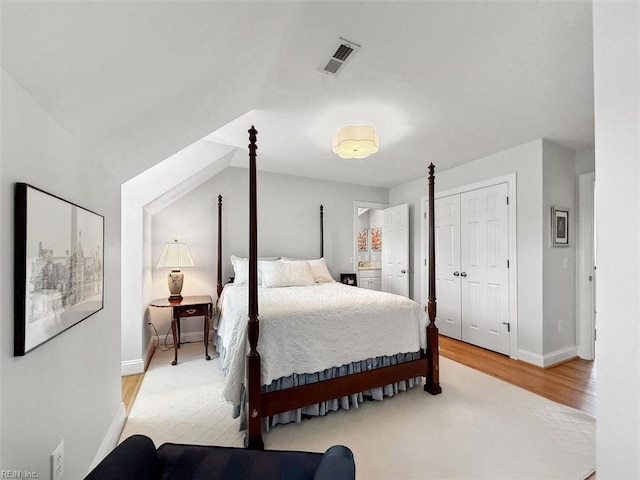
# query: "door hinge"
[507,263]
[508,326]
[507,200]
[425,215]
[590,278]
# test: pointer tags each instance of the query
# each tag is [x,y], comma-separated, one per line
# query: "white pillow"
[320,271]
[286,274]
[241,268]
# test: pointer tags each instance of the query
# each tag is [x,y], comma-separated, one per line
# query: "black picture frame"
[560,227]
[59,266]
[349,279]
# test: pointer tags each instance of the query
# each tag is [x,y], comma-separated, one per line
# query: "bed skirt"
[322,408]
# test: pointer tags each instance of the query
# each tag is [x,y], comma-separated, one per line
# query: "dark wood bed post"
[219,285]
[254,410]
[321,231]
[432,384]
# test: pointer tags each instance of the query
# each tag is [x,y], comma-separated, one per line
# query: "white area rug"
[478,428]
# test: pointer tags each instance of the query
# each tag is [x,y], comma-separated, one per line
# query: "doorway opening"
[381,247]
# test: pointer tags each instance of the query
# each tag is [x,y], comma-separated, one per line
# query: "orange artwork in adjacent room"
[362,239]
[376,238]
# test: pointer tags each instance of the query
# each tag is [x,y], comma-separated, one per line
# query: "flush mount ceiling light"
[355,141]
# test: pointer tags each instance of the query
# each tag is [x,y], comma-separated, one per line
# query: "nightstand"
[195,306]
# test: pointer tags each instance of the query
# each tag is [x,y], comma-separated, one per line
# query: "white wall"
[585,160]
[288,225]
[559,286]
[140,196]
[69,388]
[545,176]
[617,138]
[526,161]
[376,220]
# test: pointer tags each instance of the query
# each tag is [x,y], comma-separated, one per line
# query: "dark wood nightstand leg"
[207,326]
[174,331]
[179,332]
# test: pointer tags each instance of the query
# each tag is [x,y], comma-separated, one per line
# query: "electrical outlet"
[57,462]
[560,326]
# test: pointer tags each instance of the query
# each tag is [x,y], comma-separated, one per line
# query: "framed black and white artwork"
[559,226]
[349,279]
[59,266]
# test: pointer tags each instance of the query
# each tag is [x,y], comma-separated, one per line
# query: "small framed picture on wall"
[376,238]
[349,279]
[559,226]
[363,244]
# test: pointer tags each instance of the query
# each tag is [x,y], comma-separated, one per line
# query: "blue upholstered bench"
[136,458]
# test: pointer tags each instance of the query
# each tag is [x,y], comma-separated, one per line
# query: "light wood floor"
[130,386]
[572,383]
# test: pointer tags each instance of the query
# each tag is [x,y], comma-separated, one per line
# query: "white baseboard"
[560,356]
[132,367]
[530,357]
[184,337]
[112,436]
[548,359]
[148,353]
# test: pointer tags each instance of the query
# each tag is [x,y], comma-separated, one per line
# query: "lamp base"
[175,280]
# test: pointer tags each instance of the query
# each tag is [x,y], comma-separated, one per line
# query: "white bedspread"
[309,329]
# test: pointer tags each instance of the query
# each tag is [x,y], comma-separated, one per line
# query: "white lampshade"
[175,255]
[355,141]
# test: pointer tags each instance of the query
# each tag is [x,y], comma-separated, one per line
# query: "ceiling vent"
[343,51]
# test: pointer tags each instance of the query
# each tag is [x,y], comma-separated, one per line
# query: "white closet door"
[447,238]
[395,252]
[484,272]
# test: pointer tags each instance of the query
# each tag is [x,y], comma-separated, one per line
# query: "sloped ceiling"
[442,82]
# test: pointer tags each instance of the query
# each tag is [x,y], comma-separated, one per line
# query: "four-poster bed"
[411,344]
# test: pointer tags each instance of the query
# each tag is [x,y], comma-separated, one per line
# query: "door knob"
[456,273]
[463,274]
[403,271]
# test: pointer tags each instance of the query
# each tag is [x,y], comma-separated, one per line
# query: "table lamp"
[175,256]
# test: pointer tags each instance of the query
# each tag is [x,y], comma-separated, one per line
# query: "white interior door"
[447,239]
[586,273]
[395,251]
[484,267]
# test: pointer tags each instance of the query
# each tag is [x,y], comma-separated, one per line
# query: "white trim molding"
[530,357]
[548,359]
[185,337]
[112,436]
[132,367]
[559,356]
